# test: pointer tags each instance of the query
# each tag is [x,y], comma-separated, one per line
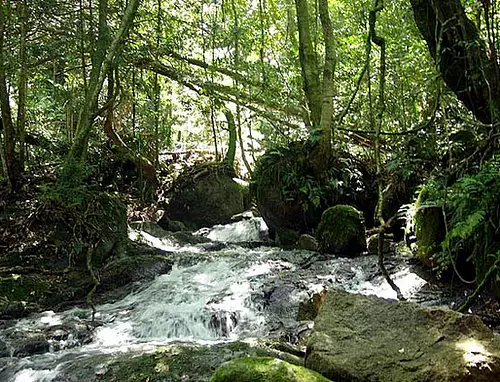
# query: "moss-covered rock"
[308,243]
[264,369]
[289,196]
[359,338]
[204,196]
[341,231]
[174,363]
[429,228]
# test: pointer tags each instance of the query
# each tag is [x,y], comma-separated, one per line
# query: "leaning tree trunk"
[461,55]
[100,68]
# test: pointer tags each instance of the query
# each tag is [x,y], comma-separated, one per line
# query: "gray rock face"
[357,338]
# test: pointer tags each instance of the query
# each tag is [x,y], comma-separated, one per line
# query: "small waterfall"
[248,230]
[199,302]
[209,296]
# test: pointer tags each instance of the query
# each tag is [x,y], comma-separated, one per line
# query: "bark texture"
[461,55]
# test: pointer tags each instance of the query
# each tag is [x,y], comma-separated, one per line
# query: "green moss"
[341,231]
[23,288]
[429,227]
[264,369]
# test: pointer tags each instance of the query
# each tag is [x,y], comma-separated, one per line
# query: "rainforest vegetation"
[116,109]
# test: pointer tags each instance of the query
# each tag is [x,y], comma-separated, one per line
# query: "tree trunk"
[231,147]
[460,55]
[309,65]
[101,65]
[22,85]
[320,157]
[11,159]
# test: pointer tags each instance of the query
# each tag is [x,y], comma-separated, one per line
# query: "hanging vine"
[378,6]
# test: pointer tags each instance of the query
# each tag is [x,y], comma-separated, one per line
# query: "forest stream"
[232,289]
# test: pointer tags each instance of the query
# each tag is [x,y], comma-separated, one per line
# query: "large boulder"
[205,195]
[358,338]
[341,231]
[264,369]
[291,199]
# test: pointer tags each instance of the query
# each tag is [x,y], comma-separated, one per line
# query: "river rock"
[358,338]
[308,243]
[205,195]
[263,369]
[31,346]
[341,231]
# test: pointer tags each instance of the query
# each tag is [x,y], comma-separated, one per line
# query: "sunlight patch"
[475,355]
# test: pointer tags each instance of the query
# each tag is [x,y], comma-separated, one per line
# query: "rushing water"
[209,296]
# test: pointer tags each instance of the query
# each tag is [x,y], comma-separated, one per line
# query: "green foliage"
[472,210]
[70,190]
[289,168]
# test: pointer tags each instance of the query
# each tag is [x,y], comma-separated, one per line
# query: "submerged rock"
[342,231]
[264,369]
[358,338]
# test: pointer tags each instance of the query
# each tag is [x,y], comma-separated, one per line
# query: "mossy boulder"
[360,338]
[341,231]
[174,363]
[308,243]
[204,196]
[264,369]
[290,197]
[429,228]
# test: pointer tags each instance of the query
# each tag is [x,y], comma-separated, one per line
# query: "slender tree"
[103,58]
[319,91]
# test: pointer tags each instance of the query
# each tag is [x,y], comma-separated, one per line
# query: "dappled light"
[474,353]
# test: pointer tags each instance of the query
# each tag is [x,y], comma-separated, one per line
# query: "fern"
[465,229]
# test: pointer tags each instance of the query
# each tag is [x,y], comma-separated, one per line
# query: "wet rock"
[151,228]
[171,225]
[171,363]
[308,310]
[357,338]
[31,346]
[13,309]
[243,216]
[140,262]
[307,243]
[342,231]
[263,369]
[188,238]
[287,238]
[4,350]
[223,323]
